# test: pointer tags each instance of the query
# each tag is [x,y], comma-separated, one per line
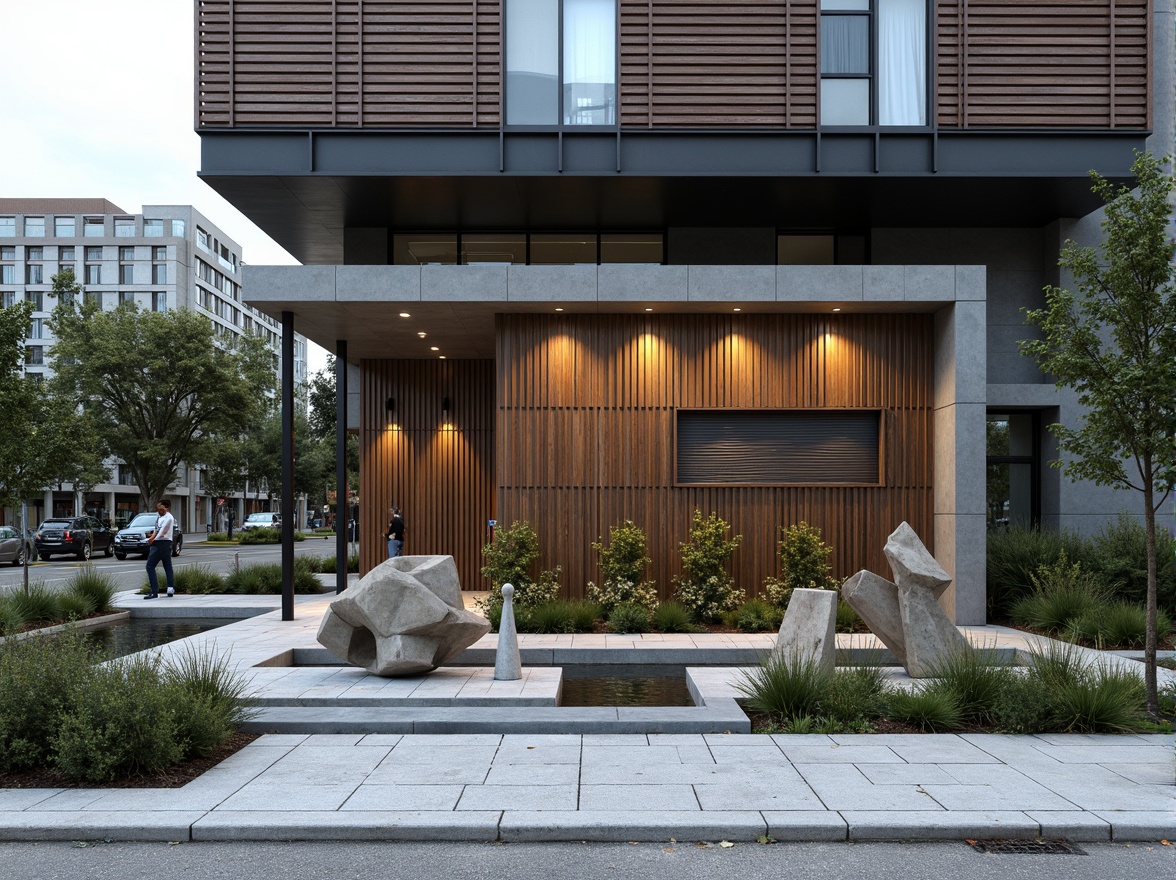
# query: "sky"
[97,98]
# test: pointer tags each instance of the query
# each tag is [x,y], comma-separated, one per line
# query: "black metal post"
[342,497]
[288,466]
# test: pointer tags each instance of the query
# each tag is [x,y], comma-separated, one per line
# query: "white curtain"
[902,62]
[590,37]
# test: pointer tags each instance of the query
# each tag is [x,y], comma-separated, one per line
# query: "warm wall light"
[421,334]
[405,315]
[434,348]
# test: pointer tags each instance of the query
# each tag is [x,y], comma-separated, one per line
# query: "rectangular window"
[34,253]
[93,273]
[34,274]
[779,447]
[7,274]
[178,228]
[37,329]
[37,298]
[64,227]
[93,252]
[566,250]
[65,254]
[7,227]
[159,252]
[632,248]
[34,227]
[1013,470]
[159,273]
[126,253]
[201,238]
[93,227]
[8,252]
[126,296]
[65,267]
[126,273]
[804,250]
[7,298]
[159,301]
[34,355]
[153,228]
[490,248]
[124,227]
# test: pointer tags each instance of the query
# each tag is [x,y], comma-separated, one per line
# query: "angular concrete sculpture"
[808,632]
[507,664]
[404,617]
[906,615]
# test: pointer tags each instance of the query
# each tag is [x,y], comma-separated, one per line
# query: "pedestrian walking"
[395,534]
[160,544]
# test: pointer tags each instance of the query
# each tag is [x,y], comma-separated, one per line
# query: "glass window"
[424,249]
[34,355]
[7,298]
[804,250]
[1013,466]
[126,296]
[124,227]
[8,252]
[93,227]
[126,273]
[65,267]
[589,62]
[902,62]
[547,249]
[93,253]
[489,248]
[34,227]
[159,301]
[159,273]
[7,227]
[34,274]
[65,253]
[7,274]
[178,228]
[64,227]
[37,328]
[37,298]
[201,238]
[126,253]
[34,253]
[845,44]
[631,248]
[159,252]
[845,102]
[93,273]
[153,228]
[532,62]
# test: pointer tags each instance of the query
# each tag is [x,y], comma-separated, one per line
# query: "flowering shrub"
[804,564]
[705,587]
[623,563]
[509,560]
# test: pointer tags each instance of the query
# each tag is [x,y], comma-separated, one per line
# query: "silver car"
[13,548]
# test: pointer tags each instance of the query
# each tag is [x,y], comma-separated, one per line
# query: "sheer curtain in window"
[532,62]
[589,62]
[902,62]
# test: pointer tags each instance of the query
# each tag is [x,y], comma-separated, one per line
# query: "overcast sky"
[97,103]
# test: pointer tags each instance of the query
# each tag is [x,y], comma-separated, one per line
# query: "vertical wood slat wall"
[702,63]
[710,62]
[585,430]
[348,63]
[439,472]
[1081,63]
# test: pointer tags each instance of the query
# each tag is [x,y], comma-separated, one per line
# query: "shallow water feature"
[128,636]
[624,685]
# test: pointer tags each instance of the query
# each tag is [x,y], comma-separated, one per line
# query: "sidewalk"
[607,786]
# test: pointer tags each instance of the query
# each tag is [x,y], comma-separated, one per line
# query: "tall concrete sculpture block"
[906,614]
[404,617]
[808,633]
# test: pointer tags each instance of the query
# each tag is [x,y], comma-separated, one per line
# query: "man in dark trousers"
[160,543]
[395,534]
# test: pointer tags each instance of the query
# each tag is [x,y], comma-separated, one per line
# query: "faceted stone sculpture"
[906,615]
[404,617]
[808,632]
[507,664]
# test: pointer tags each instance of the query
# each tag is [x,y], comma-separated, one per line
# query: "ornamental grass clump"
[267,578]
[783,687]
[199,580]
[804,564]
[629,617]
[38,606]
[560,616]
[672,617]
[705,586]
[754,615]
[930,709]
[95,588]
[1062,592]
[976,684]
[623,565]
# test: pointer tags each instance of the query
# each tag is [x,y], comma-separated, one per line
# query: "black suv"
[132,538]
[79,535]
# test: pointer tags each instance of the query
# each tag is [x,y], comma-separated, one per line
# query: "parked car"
[267,520]
[132,538]
[78,535]
[13,548]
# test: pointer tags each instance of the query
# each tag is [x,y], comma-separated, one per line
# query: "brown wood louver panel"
[1080,63]
[585,430]
[698,63]
[438,469]
[349,63]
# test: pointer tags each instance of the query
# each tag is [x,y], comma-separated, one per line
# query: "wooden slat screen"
[438,471]
[1079,63]
[585,430]
[799,447]
[712,63]
[348,63]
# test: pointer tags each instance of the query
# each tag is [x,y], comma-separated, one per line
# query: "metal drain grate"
[1027,847]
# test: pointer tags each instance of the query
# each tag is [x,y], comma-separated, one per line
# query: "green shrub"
[220,536]
[264,536]
[267,578]
[1101,700]
[38,605]
[978,686]
[855,698]
[783,687]
[804,564]
[198,580]
[37,674]
[929,709]
[75,606]
[1024,705]
[1062,592]
[98,588]
[11,620]
[623,565]
[629,617]
[1013,556]
[705,586]
[550,617]
[509,560]
[672,617]
[1119,555]
[209,695]
[848,620]
[585,615]
[754,615]
[1115,625]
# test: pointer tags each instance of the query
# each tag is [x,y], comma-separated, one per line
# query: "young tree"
[1115,343]
[156,384]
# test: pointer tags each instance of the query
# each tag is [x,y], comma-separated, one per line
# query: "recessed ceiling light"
[649,310]
[442,357]
[837,308]
[434,348]
[421,334]
[737,310]
[405,315]
[559,310]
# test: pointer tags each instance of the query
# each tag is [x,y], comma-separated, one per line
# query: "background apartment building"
[168,257]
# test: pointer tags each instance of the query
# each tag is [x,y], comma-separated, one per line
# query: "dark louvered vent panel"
[778,448]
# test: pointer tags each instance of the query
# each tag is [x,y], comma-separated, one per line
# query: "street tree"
[1114,342]
[322,419]
[158,385]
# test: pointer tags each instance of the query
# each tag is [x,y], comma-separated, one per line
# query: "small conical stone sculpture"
[507,665]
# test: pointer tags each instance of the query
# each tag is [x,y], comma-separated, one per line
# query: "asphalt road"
[571,861]
[130,573]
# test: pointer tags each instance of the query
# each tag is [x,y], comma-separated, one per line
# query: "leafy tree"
[1115,343]
[321,421]
[156,384]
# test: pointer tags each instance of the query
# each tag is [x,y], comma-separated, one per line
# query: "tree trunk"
[1149,645]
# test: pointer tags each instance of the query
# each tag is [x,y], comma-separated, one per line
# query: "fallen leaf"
[669,850]
[726,844]
[970,841]
[632,843]
[1164,843]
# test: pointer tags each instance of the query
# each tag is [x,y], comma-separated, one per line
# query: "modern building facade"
[596,260]
[168,257]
